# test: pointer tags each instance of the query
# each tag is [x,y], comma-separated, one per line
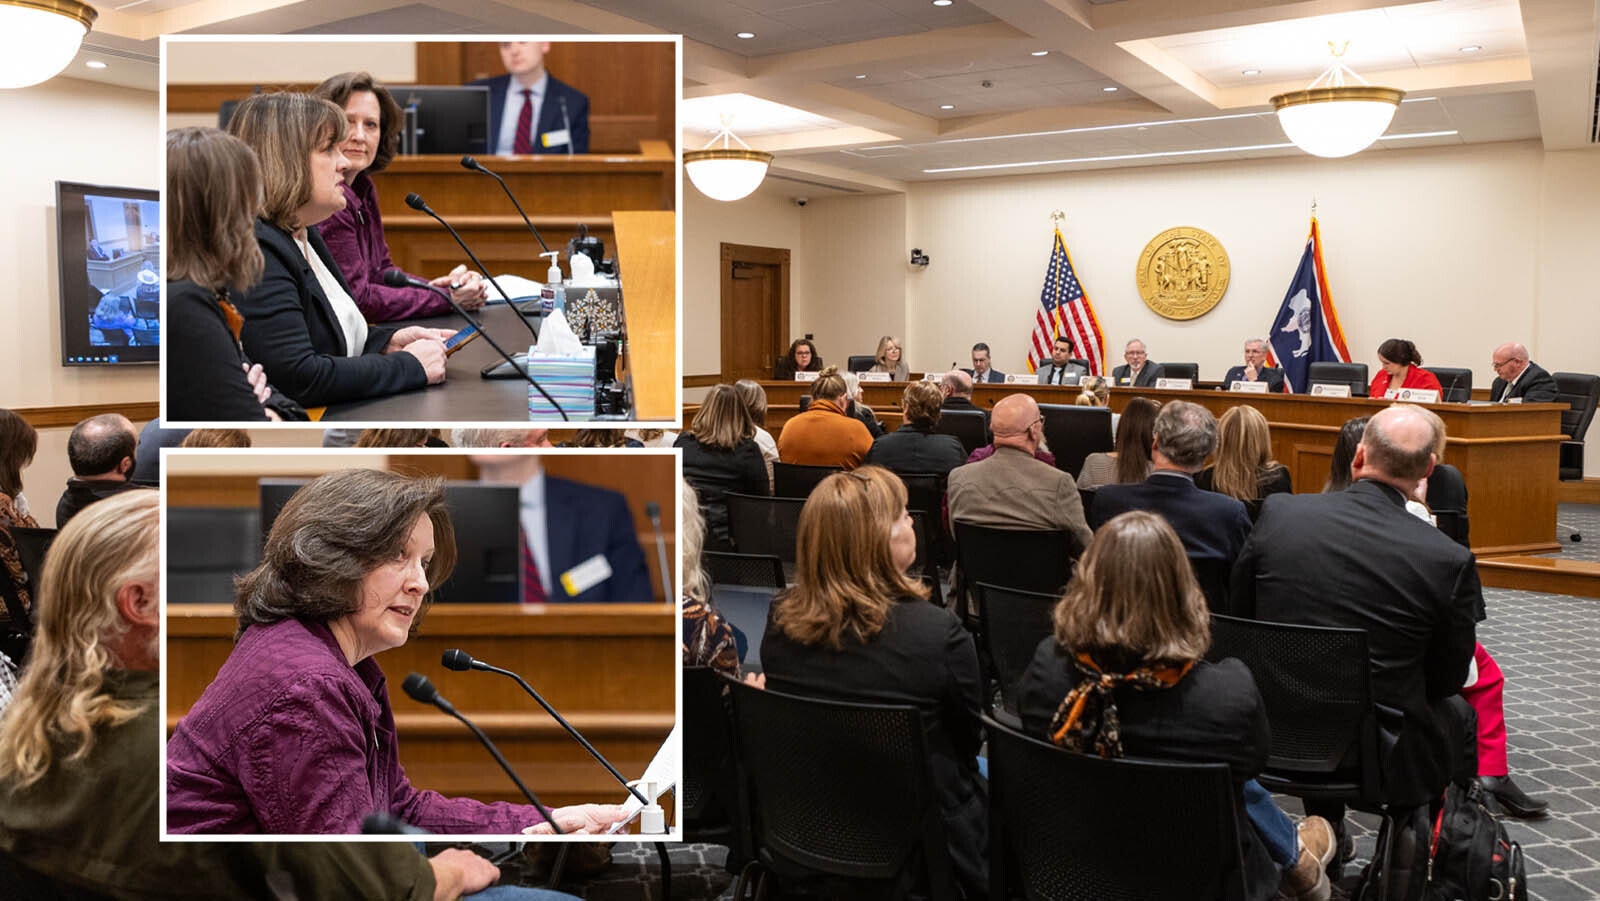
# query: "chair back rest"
[1456,384]
[707,747]
[764,525]
[32,545]
[1212,573]
[797,479]
[1012,623]
[758,570]
[860,362]
[206,548]
[1014,558]
[970,427]
[838,788]
[1190,371]
[1352,374]
[925,494]
[1082,828]
[1316,685]
[1074,433]
[1579,391]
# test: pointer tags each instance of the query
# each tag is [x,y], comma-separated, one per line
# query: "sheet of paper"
[662,774]
[519,287]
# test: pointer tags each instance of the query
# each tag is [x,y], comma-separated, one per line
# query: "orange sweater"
[824,436]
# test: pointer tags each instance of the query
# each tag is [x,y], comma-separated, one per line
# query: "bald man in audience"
[1012,489]
[102,451]
[1518,380]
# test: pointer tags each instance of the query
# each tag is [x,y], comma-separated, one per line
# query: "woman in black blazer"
[300,322]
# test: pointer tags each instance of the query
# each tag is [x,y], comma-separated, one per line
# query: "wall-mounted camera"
[801,201]
[918,258]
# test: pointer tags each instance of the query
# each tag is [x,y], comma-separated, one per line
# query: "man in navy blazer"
[981,370]
[1211,526]
[1515,376]
[1255,369]
[560,118]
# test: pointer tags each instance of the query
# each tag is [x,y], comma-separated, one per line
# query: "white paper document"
[662,774]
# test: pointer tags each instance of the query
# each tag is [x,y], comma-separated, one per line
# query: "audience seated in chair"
[1130,461]
[720,455]
[825,434]
[1242,466]
[915,447]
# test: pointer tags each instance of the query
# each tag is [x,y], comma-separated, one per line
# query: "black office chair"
[797,479]
[970,427]
[840,794]
[1190,371]
[206,548]
[1447,501]
[1213,575]
[32,545]
[1352,374]
[1012,558]
[1456,384]
[764,525]
[743,587]
[804,402]
[860,362]
[1579,391]
[752,570]
[924,567]
[1075,827]
[1012,623]
[16,628]
[711,802]
[1074,432]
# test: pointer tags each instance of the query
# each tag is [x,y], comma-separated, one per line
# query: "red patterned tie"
[532,585]
[524,142]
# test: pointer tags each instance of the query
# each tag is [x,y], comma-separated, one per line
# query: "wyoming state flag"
[1306,329]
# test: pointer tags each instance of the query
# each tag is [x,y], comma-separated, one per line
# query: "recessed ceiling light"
[861,76]
[1251,72]
[1041,53]
[1472,48]
[95,64]
[943,2]
[947,106]
[1109,88]
[745,35]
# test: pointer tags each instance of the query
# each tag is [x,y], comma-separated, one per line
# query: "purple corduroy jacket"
[354,236]
[291,739]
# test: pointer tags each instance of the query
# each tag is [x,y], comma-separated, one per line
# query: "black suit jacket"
[908,449]
[583,521]
[549,113]
[205,374]
[291,330]
[1147,375]
[1210,525]
[1535,387]
[1273,377]
[1357,559]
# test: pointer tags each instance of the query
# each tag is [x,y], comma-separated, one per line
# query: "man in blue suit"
[1255,369]
[530,111]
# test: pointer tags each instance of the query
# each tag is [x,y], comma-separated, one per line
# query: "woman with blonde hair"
[889,358]
[720,455]
[1124,674]
[1242,466]
[1095,392]
[1131,461]
[856,627]
[826,434]
[755,401]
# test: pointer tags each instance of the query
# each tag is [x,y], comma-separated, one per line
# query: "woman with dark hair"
[802,357]
[1401,368]
[1131,460]
[1344,453]
[354,235]
[18,443]
[300,321]
[601,438]
[755,401]
[855,627]
[1242,466]
[826,434]
[295,734]
[720,455]
[915,447]
[1125,674]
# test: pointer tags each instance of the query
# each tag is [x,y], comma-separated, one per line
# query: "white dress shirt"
[512,111]
[535,526]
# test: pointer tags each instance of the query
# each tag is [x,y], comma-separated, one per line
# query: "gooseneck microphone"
[468,162]
[419,689]
[1444,397]
[416,202]
[653,511]
[566,122]
[460,661]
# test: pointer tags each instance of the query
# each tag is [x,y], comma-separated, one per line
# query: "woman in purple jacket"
[354,235]
[295,735]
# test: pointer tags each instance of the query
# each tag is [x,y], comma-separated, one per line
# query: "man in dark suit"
[1518,379]
[981,370]
[1138,371]
[579,542]
[1255,368]
[1211,526]
[1061,369]
[530,111]
[1357,559]
[101,450]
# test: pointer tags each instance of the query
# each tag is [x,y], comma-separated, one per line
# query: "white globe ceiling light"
[38,38]
[726,172]
[1331,118]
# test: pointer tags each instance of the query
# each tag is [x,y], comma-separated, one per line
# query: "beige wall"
[765,219]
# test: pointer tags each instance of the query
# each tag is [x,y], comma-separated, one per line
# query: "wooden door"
[755,310]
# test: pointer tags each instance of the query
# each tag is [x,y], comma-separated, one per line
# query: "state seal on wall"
[1182,273]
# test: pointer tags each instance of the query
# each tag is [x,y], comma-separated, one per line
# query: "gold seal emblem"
[1182,273]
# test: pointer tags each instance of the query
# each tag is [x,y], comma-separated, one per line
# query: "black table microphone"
[416,202]
[653,511]
[468,162]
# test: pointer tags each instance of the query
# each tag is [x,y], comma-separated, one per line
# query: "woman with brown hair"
[720,455]
[354,235]
[1242,466]
[1400,366]
[856,627]
[915,447]
[802,357]
[300,321]
[826,434]
[755,401]
[295,734]
[1131,460]
[1125,674]
[18,443]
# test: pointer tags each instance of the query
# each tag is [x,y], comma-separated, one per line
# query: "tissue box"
[570,380]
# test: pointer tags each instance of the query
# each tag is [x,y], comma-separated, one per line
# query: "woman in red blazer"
[1402,368]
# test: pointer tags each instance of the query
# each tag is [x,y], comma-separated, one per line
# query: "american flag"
[1065,310]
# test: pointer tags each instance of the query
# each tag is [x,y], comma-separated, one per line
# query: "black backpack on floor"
[1471,857]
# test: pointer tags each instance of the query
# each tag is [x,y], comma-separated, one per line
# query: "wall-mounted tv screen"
[109,243]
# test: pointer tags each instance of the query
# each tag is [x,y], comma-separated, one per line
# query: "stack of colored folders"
[570,380]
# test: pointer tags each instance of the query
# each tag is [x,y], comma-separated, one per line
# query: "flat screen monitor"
[453,119]
[108,241]
[487,529]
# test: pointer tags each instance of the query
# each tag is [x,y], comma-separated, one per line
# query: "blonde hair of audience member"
[107,558]
[922,403]
[723,421]
[1135,436]
[648,435]
[284,129]
[1134,590]
[692,542]
[1096,393]
[831,386]
[1244,452]
[846,570]
[755,400]
[1084,400]
[393,438]
[216,438]
[1014,418]
[214,192]
[500,437]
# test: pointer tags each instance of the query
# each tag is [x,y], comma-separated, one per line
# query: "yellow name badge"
[558,138]
[585,575]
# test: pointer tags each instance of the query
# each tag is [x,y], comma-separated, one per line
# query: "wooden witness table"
[610,669]
[1506,453]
